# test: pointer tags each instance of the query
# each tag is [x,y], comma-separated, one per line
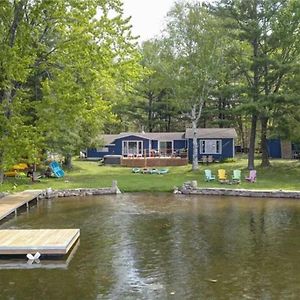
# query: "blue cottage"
[216,142]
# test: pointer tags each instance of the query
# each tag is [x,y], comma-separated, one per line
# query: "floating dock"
[25,241]
[18,263]
[44,241]
[10,204]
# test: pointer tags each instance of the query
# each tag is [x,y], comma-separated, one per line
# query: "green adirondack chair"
[209,176]
[236,176]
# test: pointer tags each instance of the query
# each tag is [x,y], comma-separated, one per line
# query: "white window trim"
[104,149]
[158,146]
[129,141]
[215,140]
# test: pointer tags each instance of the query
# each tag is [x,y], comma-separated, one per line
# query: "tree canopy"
[70,70]
[61,65]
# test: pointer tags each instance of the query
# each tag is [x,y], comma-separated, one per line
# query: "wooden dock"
[44,241]
[25,241]
[10,204]
[18,263]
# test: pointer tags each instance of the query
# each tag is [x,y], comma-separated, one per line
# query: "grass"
[283,174]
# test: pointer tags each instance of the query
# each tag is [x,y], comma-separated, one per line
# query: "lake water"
[164,246]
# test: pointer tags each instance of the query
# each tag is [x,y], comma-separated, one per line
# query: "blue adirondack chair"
[209,176]
[56,169]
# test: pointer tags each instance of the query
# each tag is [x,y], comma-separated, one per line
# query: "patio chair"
[204,159]
[252,176]
[56,169]
[145,171]
[222,175]
[236,176]
[163,171]
[154,171]
[209,176]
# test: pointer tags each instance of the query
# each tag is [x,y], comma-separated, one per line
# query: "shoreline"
[188,189]
[81,192]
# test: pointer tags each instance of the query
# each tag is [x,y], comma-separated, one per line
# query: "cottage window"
[210,146]
[165,148]
[132,147]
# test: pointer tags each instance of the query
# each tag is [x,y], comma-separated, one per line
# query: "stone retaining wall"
[190,188]
[49,193]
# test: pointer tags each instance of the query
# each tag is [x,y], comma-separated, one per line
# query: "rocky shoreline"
[191,188]
[80,192]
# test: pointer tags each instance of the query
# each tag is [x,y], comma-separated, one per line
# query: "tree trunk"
[68,161]
[241,132]
[1,176]
[169,123]
[195,165]
[150,112]
[265,162]
[251,152]
[221,109]
[1,168]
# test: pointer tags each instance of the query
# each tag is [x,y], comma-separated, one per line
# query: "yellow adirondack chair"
[222,175]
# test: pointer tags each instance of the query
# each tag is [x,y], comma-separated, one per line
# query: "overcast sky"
[147,16]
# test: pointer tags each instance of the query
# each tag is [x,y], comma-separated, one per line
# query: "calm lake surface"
[164,246]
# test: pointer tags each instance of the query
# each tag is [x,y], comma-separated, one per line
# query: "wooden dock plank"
[10,203]
[24,241]
[45,241]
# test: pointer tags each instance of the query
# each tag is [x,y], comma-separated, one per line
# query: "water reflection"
[151,246]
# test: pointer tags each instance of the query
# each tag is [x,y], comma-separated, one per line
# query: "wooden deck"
[9,204]
[45,241]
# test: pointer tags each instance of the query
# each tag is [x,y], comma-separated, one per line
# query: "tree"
[268,33]
[195,41]
[59,66]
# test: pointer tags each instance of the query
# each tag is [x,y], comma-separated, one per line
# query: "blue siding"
[118,143]
[93,153]
[227,149]
[180,144]
[154,145]
[274,148]
[116,148]
[177,144]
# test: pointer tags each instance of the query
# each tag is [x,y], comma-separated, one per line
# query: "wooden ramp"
[9,204]
[44,241]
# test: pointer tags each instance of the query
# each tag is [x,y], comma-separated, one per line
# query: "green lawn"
[284,174]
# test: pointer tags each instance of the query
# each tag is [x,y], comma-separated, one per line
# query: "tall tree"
[195,40]
[265,56]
